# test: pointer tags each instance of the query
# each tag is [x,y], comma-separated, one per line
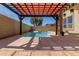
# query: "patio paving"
[43,46]
[38,53]
[6,53]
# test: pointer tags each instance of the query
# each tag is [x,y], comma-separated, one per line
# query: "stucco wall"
[75,20]
[9,27]
[46,28]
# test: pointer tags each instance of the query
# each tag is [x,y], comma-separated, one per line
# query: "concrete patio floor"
[44,46]
[37,53]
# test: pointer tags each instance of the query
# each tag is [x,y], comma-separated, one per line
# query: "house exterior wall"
[75,21]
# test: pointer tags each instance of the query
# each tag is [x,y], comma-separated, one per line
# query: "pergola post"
[61,22]
[56,24]
[20,18]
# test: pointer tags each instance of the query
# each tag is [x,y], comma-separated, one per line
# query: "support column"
[21,18]
[56,24]
[61,26]
[61,23]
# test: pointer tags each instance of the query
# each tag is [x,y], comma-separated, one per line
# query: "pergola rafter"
[27,8]
[55,8]
[49,8]
[16,8]
[33,8]
[22,8]
[61,8]
[44,8]
[10,8]
[36,9]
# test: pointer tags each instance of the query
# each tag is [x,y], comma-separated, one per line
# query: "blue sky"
[26,20]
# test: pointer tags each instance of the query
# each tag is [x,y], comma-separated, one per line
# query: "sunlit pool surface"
[36,34]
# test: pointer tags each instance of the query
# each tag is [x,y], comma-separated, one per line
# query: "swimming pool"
[36,34]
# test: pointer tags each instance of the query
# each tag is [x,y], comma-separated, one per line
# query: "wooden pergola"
[35,10]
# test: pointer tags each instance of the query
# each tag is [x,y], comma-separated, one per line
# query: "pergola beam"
[16,8]
[10,8]
[38,15]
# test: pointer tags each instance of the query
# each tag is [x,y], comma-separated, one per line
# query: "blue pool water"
[36,34]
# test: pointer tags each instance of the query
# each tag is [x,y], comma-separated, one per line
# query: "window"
[65,23]
[70,22]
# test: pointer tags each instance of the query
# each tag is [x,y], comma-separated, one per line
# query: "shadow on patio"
[4,42]
[42,43]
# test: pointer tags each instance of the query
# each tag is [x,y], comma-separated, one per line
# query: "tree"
[36,21]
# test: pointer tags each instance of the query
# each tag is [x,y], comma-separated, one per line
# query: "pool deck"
[45,46]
